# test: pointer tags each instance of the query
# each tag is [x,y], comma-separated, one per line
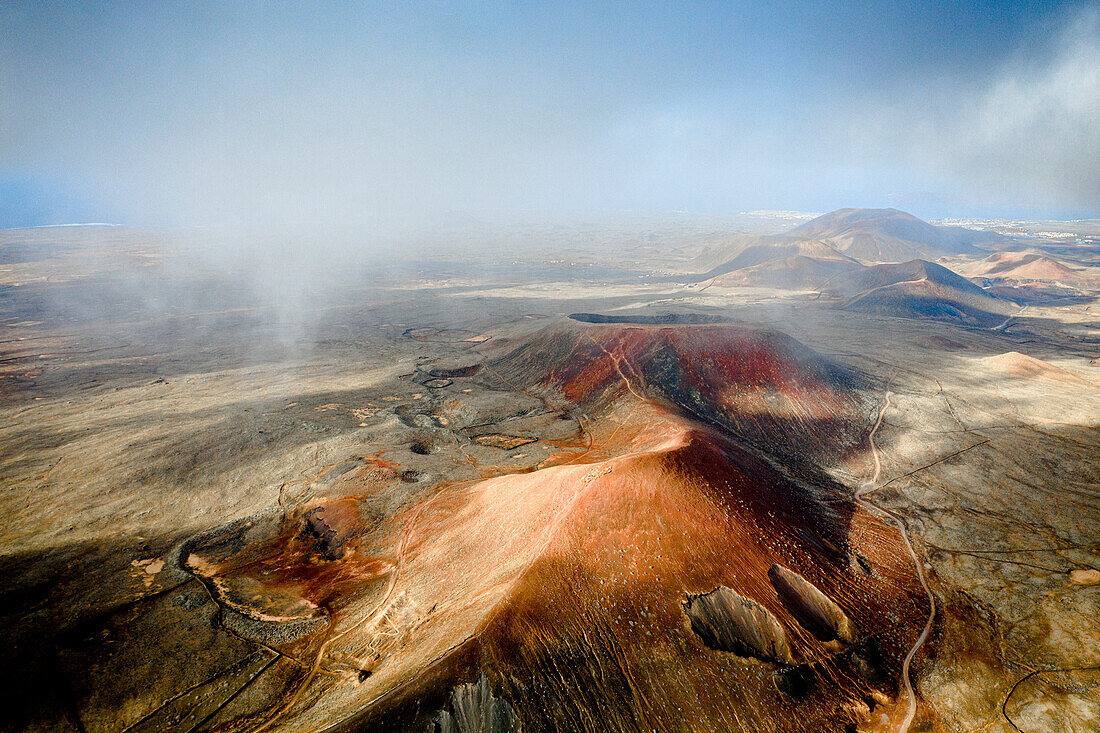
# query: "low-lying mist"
[281,292]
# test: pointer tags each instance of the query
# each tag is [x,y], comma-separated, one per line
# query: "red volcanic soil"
[600,614]
[565,592]
[567,587]
[759,384]
[291,575]
[615,355]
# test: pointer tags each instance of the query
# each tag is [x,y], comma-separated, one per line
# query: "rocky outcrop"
[818,613]
[474,709]
[730,622]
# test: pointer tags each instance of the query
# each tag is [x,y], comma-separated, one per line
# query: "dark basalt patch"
[796,681]
[663,319]
[466,370]
[421,447]
[327,541]
[414,416]
[474,709]
[866,660]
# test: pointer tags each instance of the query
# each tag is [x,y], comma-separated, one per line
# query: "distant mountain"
[889,235]
[749,251]
[869,236]
[1023,266]
[797,272]
[877,276]
[915,289]
[1029,277]
[919,289]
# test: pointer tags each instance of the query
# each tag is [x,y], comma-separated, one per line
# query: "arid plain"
[763,473]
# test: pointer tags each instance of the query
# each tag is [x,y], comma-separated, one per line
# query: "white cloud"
[1028,135]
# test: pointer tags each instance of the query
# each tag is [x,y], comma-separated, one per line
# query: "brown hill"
[673,566]
[925,299]
[919,289]
[863,279]
[750,252]
[1024,266]
[1015,364]
[790,273]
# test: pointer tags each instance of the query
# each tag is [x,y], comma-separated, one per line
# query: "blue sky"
[351,114]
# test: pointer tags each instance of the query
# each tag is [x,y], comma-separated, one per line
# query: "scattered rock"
[147,570]
[866,660]
[730,622]
[812,608]
[504,442]
[465,370]
[1085,577]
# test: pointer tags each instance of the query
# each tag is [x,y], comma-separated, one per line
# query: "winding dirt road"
[1004,324]
[865,488]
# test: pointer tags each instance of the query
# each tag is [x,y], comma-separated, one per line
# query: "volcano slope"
[680,563]
[919,289]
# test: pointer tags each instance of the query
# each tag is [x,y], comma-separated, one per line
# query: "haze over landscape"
[345,115]
[512,367]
